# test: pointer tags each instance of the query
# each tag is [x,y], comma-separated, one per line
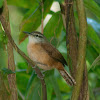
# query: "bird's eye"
[36,35]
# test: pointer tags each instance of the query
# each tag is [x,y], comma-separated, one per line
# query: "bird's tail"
[69,79]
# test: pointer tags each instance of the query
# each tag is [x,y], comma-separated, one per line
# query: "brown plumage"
[55,54]
[40,50]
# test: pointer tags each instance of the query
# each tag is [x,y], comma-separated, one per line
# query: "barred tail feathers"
[69,79]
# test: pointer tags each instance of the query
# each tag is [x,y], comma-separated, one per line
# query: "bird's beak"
[29,33]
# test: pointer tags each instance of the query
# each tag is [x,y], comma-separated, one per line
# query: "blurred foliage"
[26,15]
[1,3]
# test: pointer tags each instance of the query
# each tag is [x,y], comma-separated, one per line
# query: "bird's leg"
[34,66]
[41,72]
[41,77]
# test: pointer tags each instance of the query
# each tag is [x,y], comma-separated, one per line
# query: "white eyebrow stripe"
[39,35]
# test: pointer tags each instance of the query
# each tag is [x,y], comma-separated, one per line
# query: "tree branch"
[81,49]
[4,18]
[11,77]
[4,90]
[72,47]
[71,37]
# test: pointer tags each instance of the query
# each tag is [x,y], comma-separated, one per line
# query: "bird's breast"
[38,54]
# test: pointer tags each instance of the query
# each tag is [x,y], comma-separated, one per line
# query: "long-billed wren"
[40,50]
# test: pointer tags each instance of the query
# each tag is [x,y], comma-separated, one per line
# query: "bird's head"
[36,37]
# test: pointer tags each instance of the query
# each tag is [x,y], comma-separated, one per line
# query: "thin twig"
[42,16]
[4,18]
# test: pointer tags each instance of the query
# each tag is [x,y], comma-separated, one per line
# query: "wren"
[40,50]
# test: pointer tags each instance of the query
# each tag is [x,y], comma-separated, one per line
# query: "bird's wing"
[53,52]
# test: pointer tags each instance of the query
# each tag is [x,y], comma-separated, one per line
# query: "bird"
[40,50]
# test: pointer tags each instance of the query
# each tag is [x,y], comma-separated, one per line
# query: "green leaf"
[93,7]
[60,1]
[96,61]
[32,18]
[22,79]
[97,1]
[23,3]
[54,26]
[55,87]
[21,64]
[1,3]
[33,75]
[3,37]
[91,54]
[93,38]
[34,92]
[49,89]
[93,48]
[7,71]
